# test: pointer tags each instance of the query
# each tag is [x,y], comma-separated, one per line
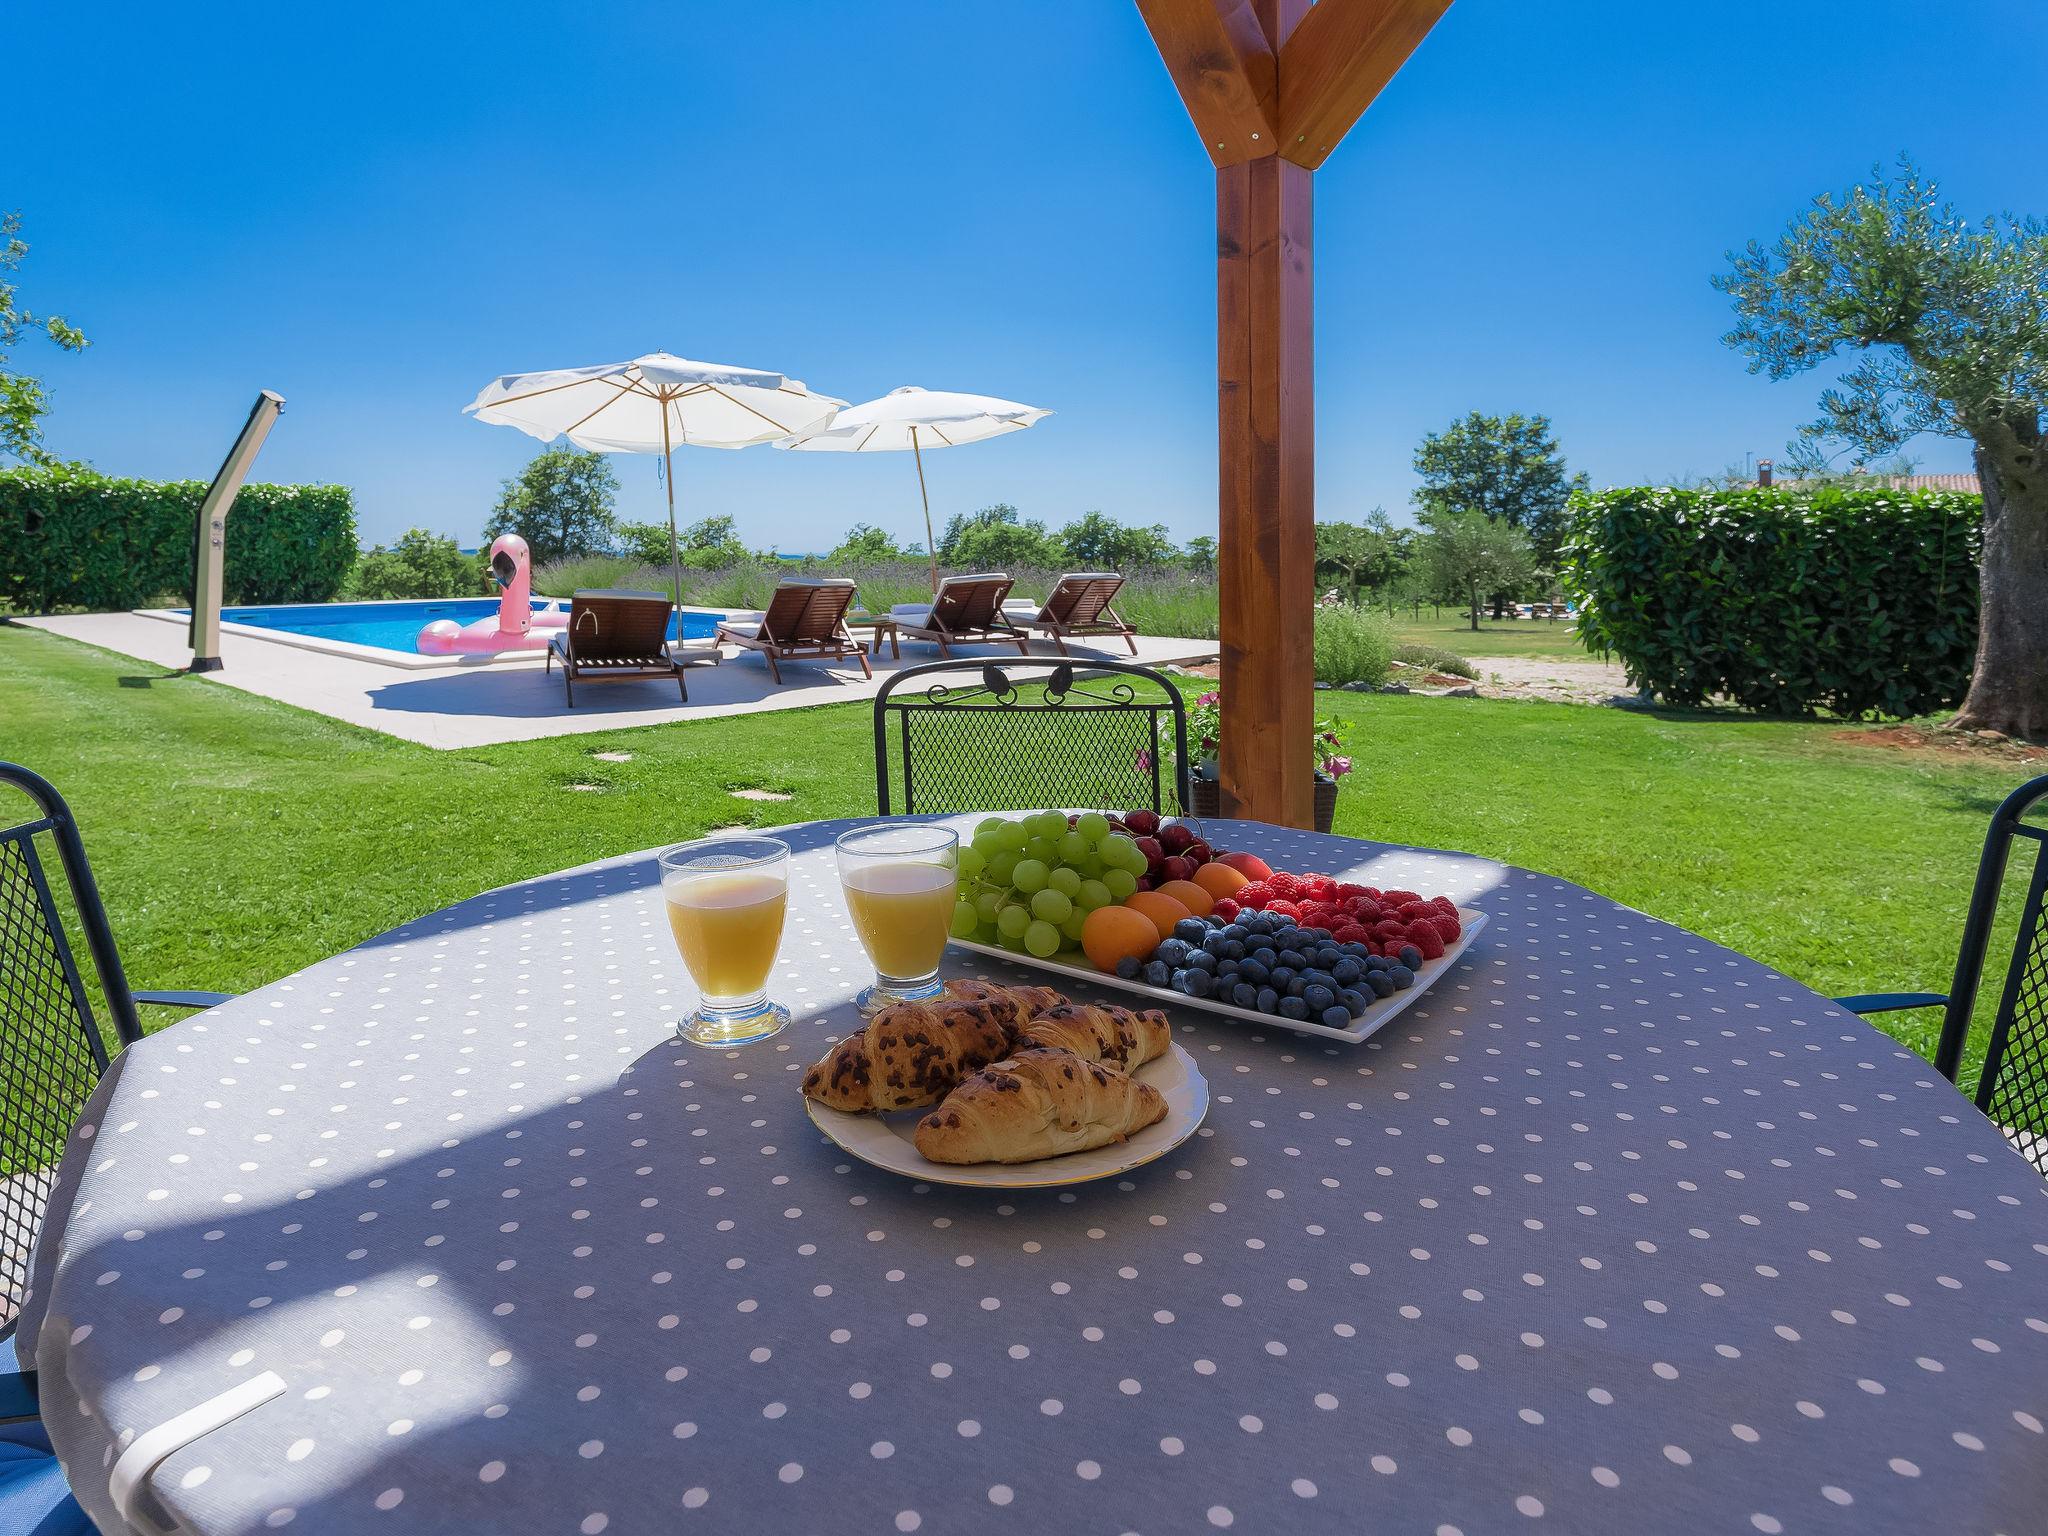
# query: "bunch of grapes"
[1028,883]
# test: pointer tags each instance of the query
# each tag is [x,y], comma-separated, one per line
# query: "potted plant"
[1205,729]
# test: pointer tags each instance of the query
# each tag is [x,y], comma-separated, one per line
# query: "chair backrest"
[2012,1088]
[970,602]
[1081,598]
[824,610]
[51,1049]
[618,624]
[1030,732]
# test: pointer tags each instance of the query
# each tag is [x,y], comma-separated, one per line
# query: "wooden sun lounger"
[616,637]
[966,610]
[805,620]
[1080,606]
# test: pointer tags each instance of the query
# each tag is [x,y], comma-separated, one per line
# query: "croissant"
[1100,1032]
[1040,1103]
[916,1053]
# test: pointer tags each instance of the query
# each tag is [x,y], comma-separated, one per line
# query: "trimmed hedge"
[72,538]
[1861,602]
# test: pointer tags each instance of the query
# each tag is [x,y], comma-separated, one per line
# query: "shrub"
[73,538]
[1862,602]
[420,564]
[1436,659]
[1353,645]
[559,578]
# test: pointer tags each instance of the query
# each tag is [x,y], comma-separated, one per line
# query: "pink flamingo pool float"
[517,627]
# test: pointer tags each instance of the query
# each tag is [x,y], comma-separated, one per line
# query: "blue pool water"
[396,626]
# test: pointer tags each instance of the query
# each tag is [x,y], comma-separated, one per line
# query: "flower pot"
[1209,799]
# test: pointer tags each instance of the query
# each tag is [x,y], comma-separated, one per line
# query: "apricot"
[1197,898]
[1220,880]
[1110,933]
[1161,908]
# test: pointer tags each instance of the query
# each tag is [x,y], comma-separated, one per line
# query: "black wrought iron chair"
[1031,731]
[2013,1089]
[52,1046]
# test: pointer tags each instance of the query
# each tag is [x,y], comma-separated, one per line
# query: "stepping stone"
[613,757]
[585,789]
[760,794]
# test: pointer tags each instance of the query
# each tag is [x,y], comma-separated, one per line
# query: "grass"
[237,840]
[1504,637]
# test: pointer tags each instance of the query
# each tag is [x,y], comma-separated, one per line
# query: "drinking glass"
[726,897]
[900,883]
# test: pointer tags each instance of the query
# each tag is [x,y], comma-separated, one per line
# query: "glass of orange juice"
[726,897]
[900,882]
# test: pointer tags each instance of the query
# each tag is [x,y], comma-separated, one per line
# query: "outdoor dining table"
[1614,1230]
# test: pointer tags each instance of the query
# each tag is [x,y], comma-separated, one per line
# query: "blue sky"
[374,211]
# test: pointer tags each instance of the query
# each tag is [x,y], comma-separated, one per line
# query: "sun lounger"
[616,637]
[1079,605]
[804,620]
[966,610]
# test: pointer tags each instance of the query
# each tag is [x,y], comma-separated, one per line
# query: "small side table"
[883,625]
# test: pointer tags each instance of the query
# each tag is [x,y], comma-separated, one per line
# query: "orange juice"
[901,910]
[728,928]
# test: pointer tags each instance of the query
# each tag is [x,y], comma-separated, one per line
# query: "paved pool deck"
[483,703]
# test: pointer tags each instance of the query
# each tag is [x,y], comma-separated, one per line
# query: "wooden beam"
[1339,58]
[1265,377]
[1217,53]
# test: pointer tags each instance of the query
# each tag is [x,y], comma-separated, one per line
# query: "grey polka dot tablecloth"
[1613,1231]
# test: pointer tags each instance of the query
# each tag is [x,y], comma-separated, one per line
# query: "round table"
[1613,1229]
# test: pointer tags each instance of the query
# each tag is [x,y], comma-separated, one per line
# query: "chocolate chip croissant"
[912,1054]
[1040,1103]
[1117,1037]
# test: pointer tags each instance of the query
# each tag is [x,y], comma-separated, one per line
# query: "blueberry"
[1329,956]
[1253,972]
[1319,978]
[1236,931]
[1215,944]
[1157,973]
[1411,957]
[1199,984]
[1377,963]
[1318,997]
[1191,930]
[1127,968]
[1355,1002]
[1233,949]
[1281,975]
[1173,951]
[1268,1000]
[1244,994]
[1336,1017]
[1400,976]
[1293,1008]
[1382,983]
[1296,987]
[1346,970]
[1201,960]
[1357,952]
[1227,967]
[1266,956]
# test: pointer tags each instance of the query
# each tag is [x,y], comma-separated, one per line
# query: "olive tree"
[23,401]
[1945,326]
[1468,555]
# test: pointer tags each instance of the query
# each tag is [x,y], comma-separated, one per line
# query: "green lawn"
[237,840]
[1507,637]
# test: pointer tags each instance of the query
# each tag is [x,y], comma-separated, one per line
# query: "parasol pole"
[668,479]
[931,544]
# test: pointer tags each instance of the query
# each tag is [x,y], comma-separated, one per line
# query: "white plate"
[884,1140]
[1471,923]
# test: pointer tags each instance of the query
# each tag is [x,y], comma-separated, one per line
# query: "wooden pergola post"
[1272,86]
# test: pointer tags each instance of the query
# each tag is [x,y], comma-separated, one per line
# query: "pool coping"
[380,656]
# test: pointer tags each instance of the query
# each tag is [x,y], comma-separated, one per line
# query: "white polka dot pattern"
[1612,1223]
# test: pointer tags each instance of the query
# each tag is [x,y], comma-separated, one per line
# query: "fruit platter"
[1151,906]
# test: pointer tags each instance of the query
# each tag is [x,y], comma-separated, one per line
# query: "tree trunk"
[2009,685]
[1475,610]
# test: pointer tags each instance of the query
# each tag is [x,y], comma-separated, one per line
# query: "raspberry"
[1428,940]
[1410,911]
[1350,933]
[1348,891]
[1399,898]
[1287,887]
[1322,888]
[1254,895]
[1447,928]
[1363,907]
[1445,903]
[1284,909]
[1226,909]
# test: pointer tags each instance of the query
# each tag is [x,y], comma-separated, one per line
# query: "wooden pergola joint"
[1337,61]
[1226,73]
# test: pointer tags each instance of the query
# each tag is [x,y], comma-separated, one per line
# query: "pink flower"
[1144,760]
[1337,767]
[1211,697]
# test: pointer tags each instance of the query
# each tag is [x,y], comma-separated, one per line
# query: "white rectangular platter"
[1471,923]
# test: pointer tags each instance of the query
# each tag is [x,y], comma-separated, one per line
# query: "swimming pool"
[396,626]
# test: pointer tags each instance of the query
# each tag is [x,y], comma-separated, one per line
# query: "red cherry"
[1142,823]
[1199,851]
[1149,846]
[1175,837]
[1179,867]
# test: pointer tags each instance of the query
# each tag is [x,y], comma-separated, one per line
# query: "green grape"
[1065,881]
[1091,867]
[1042,939]
[1010,941]
[1046,823]
[1096,893]
[987,934]
[1121,852]
[1120,883]
[1073,846]
[988,904]
[1011,837]
[1003,867]
[972,863]
[1070,930]
[966,918]
[1093,825]
[986,833]
[1044,849]
[1053,906]
[1029,875]
[1012,921]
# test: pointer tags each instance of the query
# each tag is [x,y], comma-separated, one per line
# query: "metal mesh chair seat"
[1030,732]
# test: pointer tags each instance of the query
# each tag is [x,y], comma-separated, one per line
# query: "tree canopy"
[23,400]
[561,504]
[1104,544]
[997,538]
[1508,467]
[1471,556]
[1368,556]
